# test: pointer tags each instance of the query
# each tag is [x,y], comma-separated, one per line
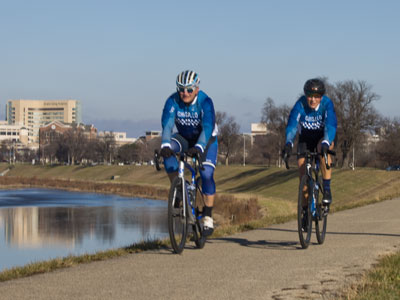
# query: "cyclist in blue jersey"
[192,112]
[314,118]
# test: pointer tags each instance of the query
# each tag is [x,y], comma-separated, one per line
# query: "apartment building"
[34,113]
[13,133]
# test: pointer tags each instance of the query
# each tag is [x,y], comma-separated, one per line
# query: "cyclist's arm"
[330,123]
[293,122]
[168,122]
[208,123]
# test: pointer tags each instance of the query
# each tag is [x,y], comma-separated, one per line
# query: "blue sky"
[121,58]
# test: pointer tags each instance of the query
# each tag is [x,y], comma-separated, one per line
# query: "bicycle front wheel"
[177,219]
[199,238]
[304,218]
[322,218]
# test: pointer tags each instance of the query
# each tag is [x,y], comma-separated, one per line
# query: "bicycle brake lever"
[326,161]
[157,160]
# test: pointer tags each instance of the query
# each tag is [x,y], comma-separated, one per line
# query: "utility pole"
[244,150]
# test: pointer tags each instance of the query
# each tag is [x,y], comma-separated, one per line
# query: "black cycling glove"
[166,152]
[287,151]
[324,149]
[194,151]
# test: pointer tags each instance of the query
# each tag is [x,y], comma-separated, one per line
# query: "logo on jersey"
[313,122]
[187,118]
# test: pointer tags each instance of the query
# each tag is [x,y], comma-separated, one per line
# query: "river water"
[40,224]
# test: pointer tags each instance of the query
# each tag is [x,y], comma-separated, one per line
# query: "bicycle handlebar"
[286,160]
[331,152]
[157,159]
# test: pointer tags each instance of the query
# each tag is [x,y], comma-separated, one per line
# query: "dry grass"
[382,282]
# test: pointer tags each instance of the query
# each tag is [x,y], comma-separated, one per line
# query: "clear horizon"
[121,59]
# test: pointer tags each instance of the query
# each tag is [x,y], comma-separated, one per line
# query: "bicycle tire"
[304,235]
[177,220]
[199,239]
[322,219]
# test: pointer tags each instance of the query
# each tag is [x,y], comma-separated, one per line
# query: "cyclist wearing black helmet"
[314,117]
[191,111]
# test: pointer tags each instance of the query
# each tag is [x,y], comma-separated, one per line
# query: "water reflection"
[43,224]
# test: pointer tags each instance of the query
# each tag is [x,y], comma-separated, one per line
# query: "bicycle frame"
[181,174]
[312,167]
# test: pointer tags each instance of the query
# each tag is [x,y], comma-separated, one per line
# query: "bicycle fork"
[185,204]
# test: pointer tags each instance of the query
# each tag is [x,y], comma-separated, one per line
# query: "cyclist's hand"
[166,152]
[324,149]
[194,151]
[287,151]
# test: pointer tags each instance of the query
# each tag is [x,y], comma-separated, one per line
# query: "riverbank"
[350,188]
[255,195]
[248,197]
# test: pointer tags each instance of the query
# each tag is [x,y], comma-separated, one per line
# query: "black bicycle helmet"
[314,86]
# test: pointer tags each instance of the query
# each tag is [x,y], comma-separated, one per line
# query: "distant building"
[120,137]
[152,134]
[14,133]
[50,131]
[34,113]
[258,129]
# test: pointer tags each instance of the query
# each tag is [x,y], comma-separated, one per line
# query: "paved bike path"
[260,264]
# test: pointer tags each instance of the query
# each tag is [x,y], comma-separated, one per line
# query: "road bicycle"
[184,199]
[311,192]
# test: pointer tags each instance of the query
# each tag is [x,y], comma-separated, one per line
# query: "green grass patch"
[382,282]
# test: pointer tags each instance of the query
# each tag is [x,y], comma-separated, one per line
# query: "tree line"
[365,137]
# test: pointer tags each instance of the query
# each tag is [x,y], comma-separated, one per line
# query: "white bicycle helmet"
[187,78]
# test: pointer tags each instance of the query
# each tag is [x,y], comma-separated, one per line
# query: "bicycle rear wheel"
[177,219]
[304,218]
[322,218]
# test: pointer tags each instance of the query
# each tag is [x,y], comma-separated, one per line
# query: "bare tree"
[228,134]
[75,142]
[388,149]
[355,112]
[127,153]
[106,147]
[275,118]
[263,149]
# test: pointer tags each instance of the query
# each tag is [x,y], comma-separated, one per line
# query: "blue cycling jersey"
[194,122]
[310,122]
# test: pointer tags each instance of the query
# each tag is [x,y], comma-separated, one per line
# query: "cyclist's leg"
[326,176]
[178,144]
[209,159]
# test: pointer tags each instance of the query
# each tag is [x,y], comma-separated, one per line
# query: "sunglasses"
[181,89]
[314,95]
